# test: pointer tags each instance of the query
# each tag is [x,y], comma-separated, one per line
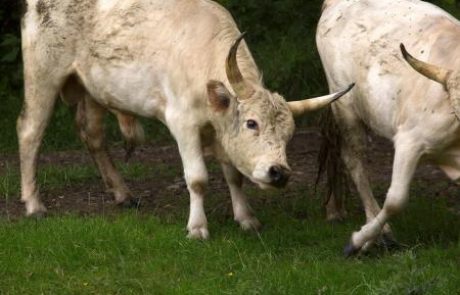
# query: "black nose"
[279,175]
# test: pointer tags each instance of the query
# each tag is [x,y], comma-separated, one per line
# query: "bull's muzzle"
[279,176]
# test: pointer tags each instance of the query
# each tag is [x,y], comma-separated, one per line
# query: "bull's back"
[359,41]
[166,50]
[177,46]
[182,39]
[83,23]
[192,35]
[149,28]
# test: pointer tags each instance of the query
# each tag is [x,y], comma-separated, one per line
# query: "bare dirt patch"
[158,191]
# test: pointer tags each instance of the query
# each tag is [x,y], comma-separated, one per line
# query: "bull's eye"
[251,124]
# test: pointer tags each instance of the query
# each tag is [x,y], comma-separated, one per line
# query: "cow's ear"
[219,96]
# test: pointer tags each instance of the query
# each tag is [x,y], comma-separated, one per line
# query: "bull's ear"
[219,96]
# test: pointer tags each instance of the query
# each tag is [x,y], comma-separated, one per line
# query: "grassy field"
[138,252]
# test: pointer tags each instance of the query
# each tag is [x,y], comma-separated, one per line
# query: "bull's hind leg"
[41,89]
[352,152]
[90,124]
[407,153]
[241,209]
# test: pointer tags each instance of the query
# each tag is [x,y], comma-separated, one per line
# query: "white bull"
[360,40]
[157,59]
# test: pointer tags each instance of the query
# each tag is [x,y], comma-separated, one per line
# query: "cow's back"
[121,29]
[187,29]
[359,41]
[168,49]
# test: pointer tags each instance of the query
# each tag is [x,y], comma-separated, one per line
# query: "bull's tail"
[330,161]
[132,132]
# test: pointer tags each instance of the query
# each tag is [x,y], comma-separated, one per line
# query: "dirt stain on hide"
[43,8]
[362,28]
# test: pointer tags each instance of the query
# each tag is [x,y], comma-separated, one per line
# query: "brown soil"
[158,193]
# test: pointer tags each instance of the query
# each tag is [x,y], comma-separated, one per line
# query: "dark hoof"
[350,250]
[129,150]
[37,215]
[336,220]
[131,203]
[389,243]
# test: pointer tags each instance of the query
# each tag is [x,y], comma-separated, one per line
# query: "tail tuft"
[329,159]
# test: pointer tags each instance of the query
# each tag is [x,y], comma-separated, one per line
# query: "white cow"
[360,40]
[170,60]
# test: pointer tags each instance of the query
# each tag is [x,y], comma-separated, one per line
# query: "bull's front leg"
[196,177]
[242,211]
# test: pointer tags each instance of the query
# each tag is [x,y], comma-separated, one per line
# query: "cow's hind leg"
[41,90]
[241,209]
[352,152]
[407,154]
[90,124]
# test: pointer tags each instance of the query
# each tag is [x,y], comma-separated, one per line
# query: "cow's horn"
[239,85]
[307,105]
[432,72]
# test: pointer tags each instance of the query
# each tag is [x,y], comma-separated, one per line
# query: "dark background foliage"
[280,35]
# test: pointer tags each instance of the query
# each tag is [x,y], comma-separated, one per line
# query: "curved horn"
[432,72]
[307,105]
[234,75]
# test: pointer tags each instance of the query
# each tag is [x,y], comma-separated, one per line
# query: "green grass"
[131,254]
[297,252]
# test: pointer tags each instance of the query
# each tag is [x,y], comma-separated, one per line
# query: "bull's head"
[448,78]
[254,126]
